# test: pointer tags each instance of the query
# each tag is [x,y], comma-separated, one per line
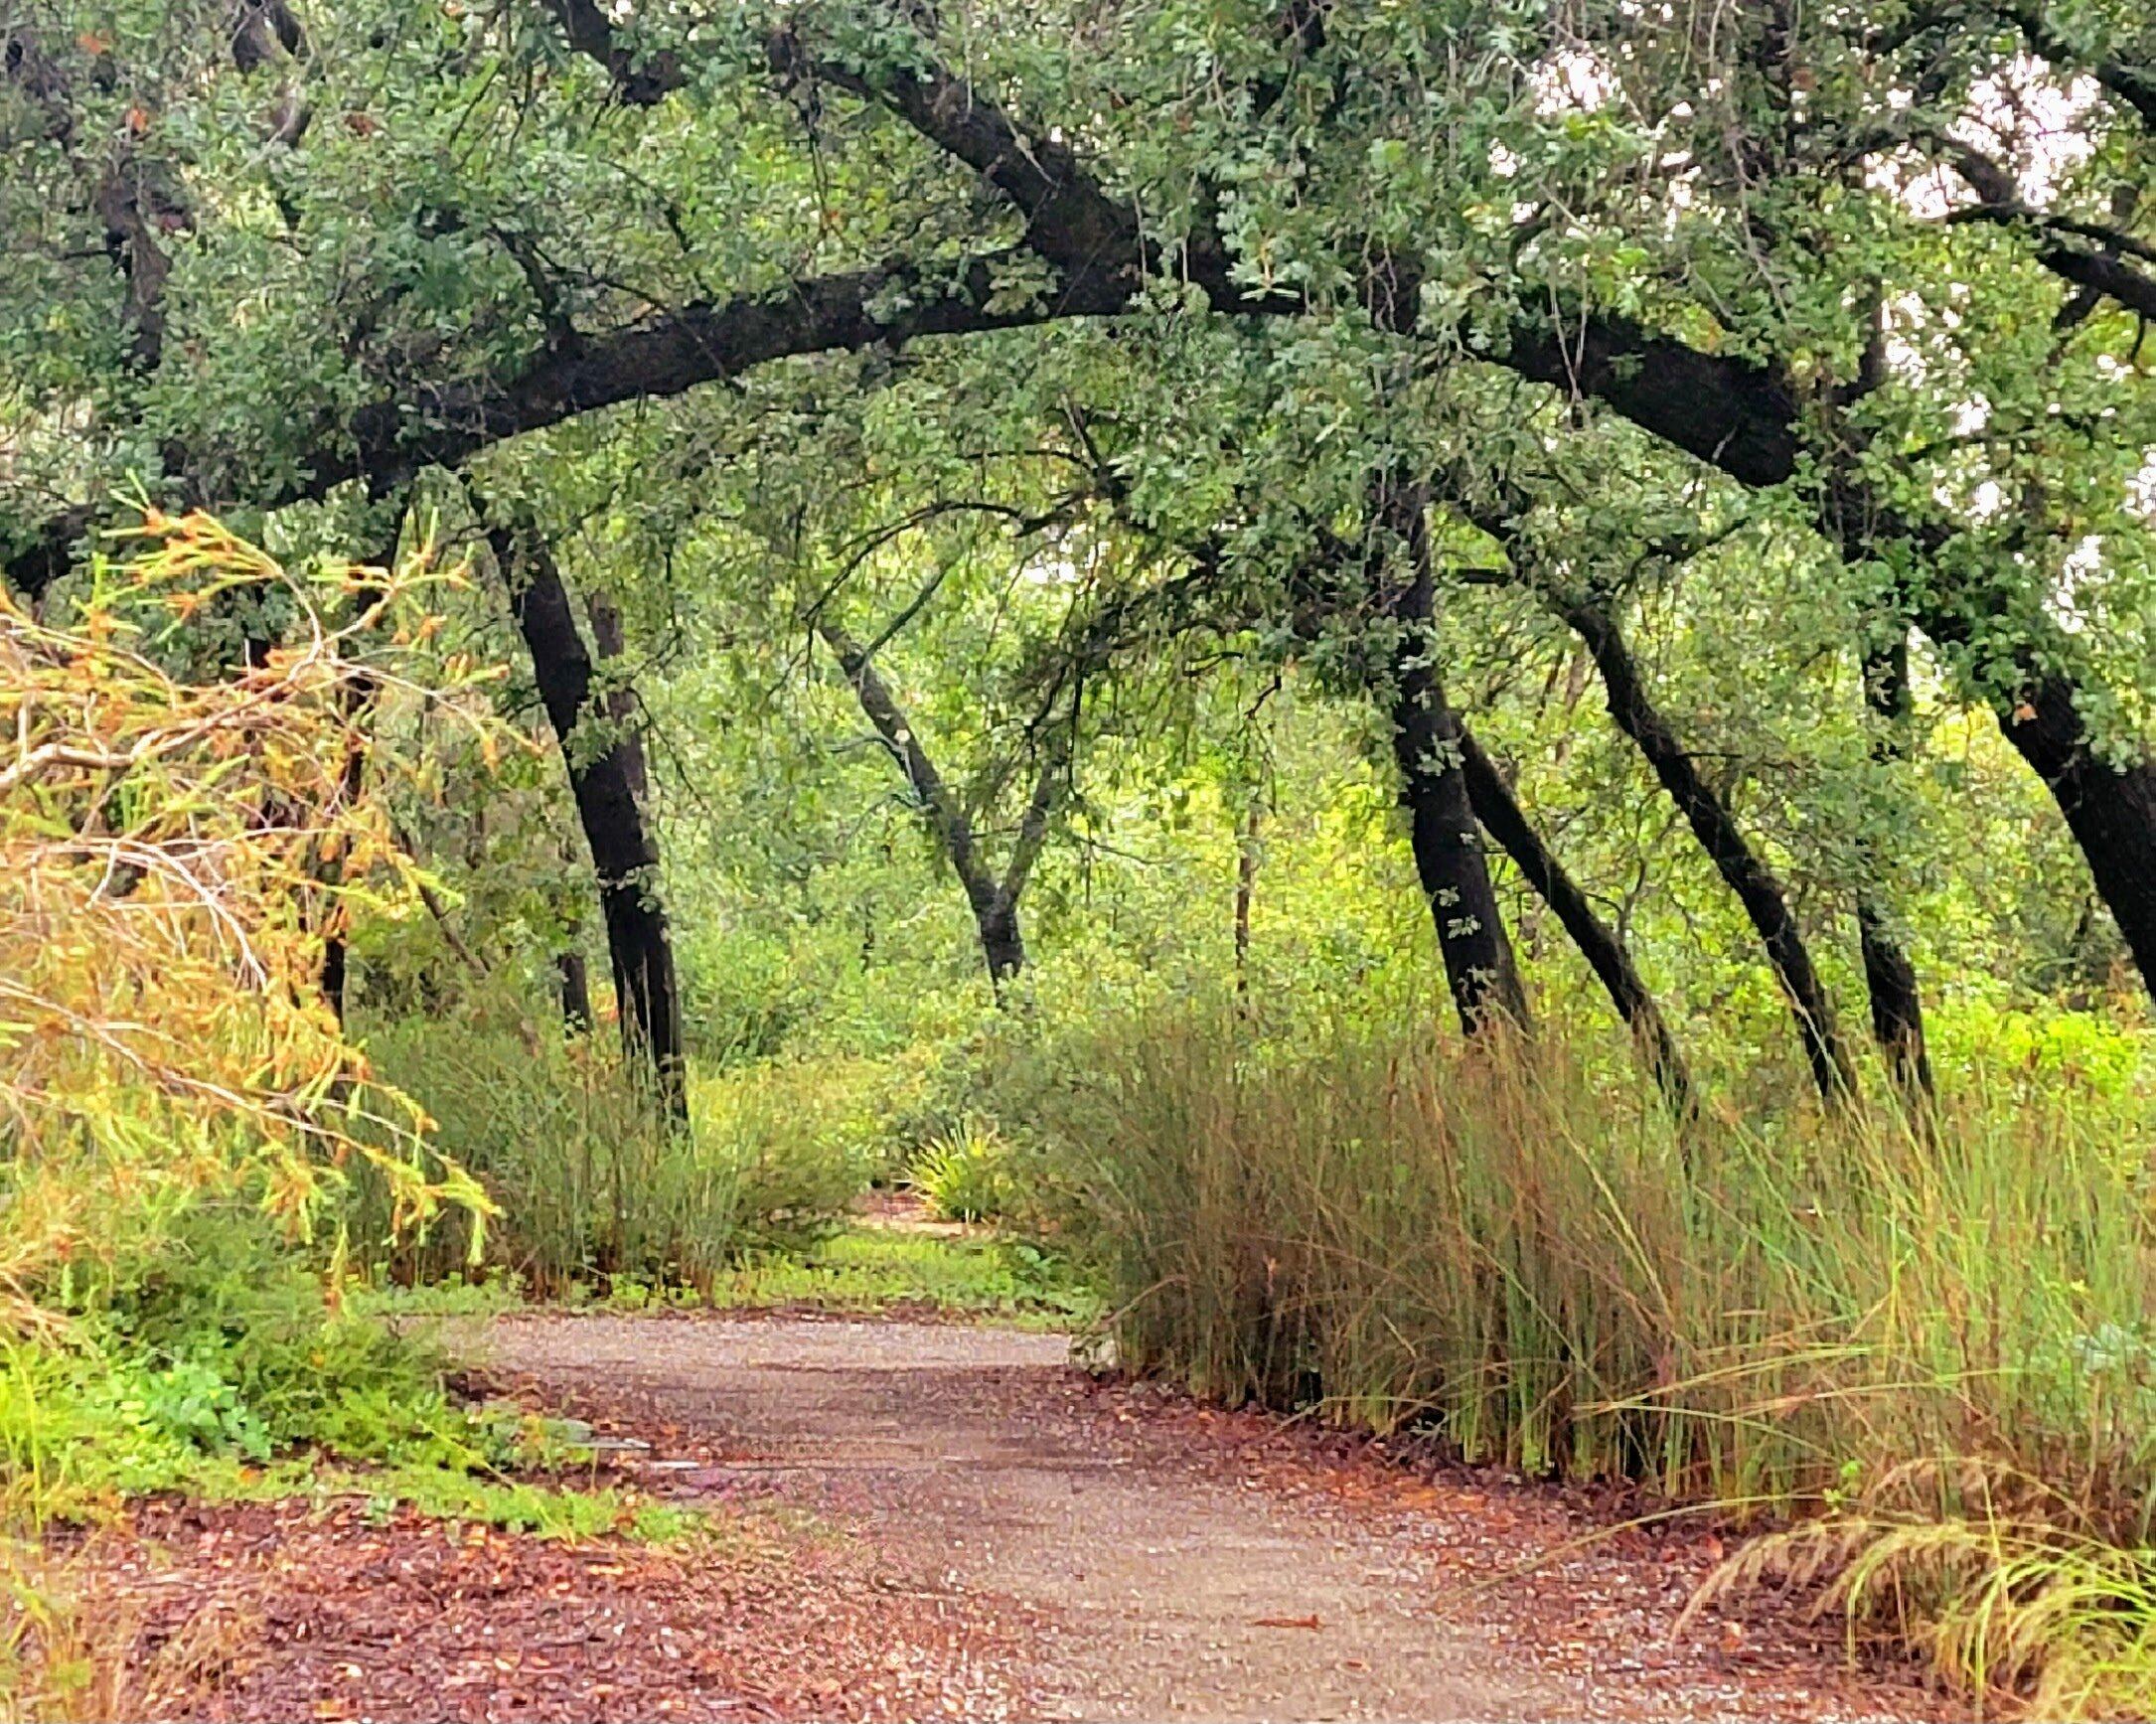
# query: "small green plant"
[545,1510]
[964,1174]
[222,1348]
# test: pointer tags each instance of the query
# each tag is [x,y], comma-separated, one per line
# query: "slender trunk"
[1503,819]
[356,708]
[1246,889]
[356,702]
[1426,745]
[1889,976]
[574,977]
[1742,868]
[335,972]
[994,902]
[609,788]
[336,944]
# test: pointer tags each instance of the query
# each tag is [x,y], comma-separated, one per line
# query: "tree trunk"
[351,780]
[1889,976]
[356,708]
[574,977]
[610,789]
[1503,819]
[994,902]
[1246,891]
[1002,946]
[2111,811]
[1742,868]
[1427,744]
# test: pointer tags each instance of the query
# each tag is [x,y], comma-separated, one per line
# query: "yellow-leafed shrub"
[176,851]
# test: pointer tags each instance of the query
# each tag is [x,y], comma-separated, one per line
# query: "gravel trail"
[1168,1561]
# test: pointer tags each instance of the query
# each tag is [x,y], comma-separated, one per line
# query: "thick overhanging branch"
[395,436]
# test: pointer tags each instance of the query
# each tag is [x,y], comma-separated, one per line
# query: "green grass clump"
[595,1184]
[966,1174]
[514,1505]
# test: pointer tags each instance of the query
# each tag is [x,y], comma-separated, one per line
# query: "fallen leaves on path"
[1584,1581]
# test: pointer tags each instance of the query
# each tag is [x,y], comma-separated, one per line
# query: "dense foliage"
[1464,691]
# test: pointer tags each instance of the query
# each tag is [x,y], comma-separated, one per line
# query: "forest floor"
[929,1520]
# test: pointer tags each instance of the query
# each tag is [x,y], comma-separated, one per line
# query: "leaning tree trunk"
[2110,810]
[1428,745]
[611,792]
[1889,976]
[993,902]
[1607,955]
[1742,868]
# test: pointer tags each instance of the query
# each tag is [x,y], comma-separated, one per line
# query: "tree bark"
[1246,891]
[2110,811]
[1503,819]
[611,789]
[358,709]
[1889,976]
[1742,868]
[1428,742]
[574,977]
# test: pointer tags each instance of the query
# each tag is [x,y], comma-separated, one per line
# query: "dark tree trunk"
[2110,811]
[1427,744]
[336,968]
[994,902]
[1503,819]
[1246,891]
[358,700]
[336,946]
[1896,1007]
[358,709]
[610,790]
[574,977]
[1889,976]
[1742,868]
[1003,945]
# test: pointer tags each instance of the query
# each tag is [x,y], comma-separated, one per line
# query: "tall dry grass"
[1797,1316]
[595,1184]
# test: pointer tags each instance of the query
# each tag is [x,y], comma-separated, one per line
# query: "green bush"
[221,1344]
[791,1139]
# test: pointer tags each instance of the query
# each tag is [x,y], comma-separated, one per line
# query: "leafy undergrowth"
[544,1508]
[869,1268]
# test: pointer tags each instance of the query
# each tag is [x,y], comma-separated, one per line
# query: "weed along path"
[1118,1553]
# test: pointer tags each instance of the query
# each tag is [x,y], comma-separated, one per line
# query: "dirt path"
[1156,1559]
